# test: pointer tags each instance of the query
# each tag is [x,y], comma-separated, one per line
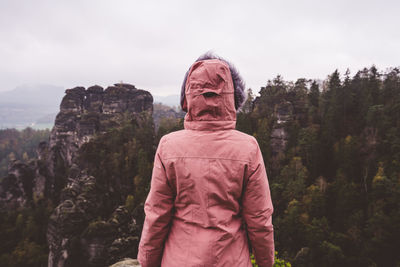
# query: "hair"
[238,83]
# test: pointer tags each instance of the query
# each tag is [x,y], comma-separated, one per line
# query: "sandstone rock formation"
[283,109]
[76,233]
[283,112]
[127,263]
[83,114]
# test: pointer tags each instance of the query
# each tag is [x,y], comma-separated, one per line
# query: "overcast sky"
[151,44]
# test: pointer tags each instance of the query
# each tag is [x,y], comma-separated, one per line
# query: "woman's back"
[208,180]
[206,170]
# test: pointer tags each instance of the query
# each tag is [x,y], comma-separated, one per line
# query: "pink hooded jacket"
[208,181]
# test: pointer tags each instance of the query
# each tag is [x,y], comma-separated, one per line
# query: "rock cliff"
[283,112]
[91,225]
[83,114]
[282,109]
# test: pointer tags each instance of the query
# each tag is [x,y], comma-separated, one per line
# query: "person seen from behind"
[209,199]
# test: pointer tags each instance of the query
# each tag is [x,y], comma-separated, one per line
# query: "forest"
[336,186]
[334,171]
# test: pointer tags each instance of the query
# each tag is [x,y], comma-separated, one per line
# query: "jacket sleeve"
[158,209]
[257,211]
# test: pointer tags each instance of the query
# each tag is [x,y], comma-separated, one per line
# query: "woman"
[209,188]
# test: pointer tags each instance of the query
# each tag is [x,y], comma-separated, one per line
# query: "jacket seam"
[210,120]
[251,162]
[211,90]
[207,158]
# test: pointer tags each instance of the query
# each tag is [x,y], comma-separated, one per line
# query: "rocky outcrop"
[81,232]
[127,263]
[78,206]
[77,235]
[83,114]
[283,106]
[16,187]
[25,182]
[283,112]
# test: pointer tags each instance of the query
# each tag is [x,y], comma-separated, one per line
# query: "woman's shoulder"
[173,135]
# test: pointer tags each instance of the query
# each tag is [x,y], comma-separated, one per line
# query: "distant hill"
[44,94]
[169,100]
[30,105]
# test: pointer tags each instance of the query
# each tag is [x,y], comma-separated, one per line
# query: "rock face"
[282,109]
[57,175]
[84,113]
[25,182]
[283,112]
[16,187]
[127,263]
[73,224]
[76,209]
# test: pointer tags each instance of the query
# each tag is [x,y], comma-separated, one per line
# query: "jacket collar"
[209,125]
[209,97]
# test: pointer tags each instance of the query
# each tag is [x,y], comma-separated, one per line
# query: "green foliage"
[336,186]
[23,236]
[99,228]
[29,254]
[278,262]
[263,137]
[20,145]
[168,125]
[121,160]
[130,203]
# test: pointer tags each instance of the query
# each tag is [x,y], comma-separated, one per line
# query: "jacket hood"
[209,97]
